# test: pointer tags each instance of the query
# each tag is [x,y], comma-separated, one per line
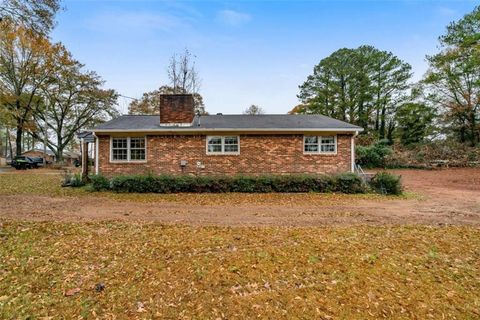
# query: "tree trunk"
[391,128]
[60,150]
[18,139]
[462,134]
[473,124]
[10,145]
[382,123]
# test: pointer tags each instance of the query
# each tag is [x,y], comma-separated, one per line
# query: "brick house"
[49,156]
[69,157]
[180,142]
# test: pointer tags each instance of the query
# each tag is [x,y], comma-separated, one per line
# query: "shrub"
[386,183]
[346,183]
[373,156]
[349,183]
[73,181]
[99,183]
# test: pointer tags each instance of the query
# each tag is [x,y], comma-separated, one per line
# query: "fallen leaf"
[71,292]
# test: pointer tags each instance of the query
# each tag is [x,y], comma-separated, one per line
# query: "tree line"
[45,93]
[372,89]
[48,95]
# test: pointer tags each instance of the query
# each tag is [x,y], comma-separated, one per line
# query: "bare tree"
[150,101]
[254,110]
[182,73]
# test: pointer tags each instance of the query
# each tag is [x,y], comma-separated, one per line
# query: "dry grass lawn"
[88,268]
[174,272]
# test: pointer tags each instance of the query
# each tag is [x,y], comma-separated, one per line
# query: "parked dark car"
[22,163]
[37,161]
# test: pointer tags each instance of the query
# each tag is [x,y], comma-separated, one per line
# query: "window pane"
[231,148]
[328,140]
[328,148]
[328,144]
[215,148]
[137,143]
[119,149]
[215,144]
[119,154]
[137,154]
[311,148]
[311,139]
[215,140]
[119,143]
[231,140]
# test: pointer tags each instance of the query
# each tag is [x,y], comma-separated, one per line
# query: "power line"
[121,95]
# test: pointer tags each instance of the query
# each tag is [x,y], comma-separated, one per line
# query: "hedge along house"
[180,142]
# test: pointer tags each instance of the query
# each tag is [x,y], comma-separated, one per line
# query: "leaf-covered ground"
[157,271]
[129,268]
[33,183]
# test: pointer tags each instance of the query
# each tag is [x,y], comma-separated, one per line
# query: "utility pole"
[45,145]
[6,142]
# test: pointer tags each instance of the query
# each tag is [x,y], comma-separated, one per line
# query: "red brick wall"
[259,154]
[176,108]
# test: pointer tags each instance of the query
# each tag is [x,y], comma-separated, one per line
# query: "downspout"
[352,151]
[81,154]
[96,152]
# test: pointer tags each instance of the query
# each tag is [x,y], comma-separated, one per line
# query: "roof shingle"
[237,122]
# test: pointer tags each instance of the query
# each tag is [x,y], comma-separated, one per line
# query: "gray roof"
[235,122]
[49,152]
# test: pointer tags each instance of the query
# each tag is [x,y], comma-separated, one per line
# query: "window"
[327,144]
[120,149]
[311,144]
[223,145]
[320,144]
[128,149]
[137,148]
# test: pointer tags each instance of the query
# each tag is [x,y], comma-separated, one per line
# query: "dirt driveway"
[441,197]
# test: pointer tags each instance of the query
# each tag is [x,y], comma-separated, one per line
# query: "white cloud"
[233,18]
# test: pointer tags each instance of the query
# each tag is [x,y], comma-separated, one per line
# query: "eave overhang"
[235,130]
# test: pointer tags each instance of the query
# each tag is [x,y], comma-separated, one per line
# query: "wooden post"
[84,160]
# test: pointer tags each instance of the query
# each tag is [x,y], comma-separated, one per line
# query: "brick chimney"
[176,109]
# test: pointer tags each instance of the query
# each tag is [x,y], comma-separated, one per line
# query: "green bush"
[99,183]
[346,183]
[73,181]
[349,183]
[387,183]
[373,156]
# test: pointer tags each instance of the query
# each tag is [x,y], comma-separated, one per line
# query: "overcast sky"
[248,52]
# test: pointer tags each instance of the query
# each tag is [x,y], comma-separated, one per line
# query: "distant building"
[49,156]
[68,156]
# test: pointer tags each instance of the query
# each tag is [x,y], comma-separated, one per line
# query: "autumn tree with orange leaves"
[26,64]
[45,91]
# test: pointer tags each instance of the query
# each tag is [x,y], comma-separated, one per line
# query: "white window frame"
[319,145]
[222,152]
[129,160]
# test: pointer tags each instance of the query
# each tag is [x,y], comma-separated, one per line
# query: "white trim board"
[207,130]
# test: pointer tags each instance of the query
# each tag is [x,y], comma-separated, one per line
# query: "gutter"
[176,130]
